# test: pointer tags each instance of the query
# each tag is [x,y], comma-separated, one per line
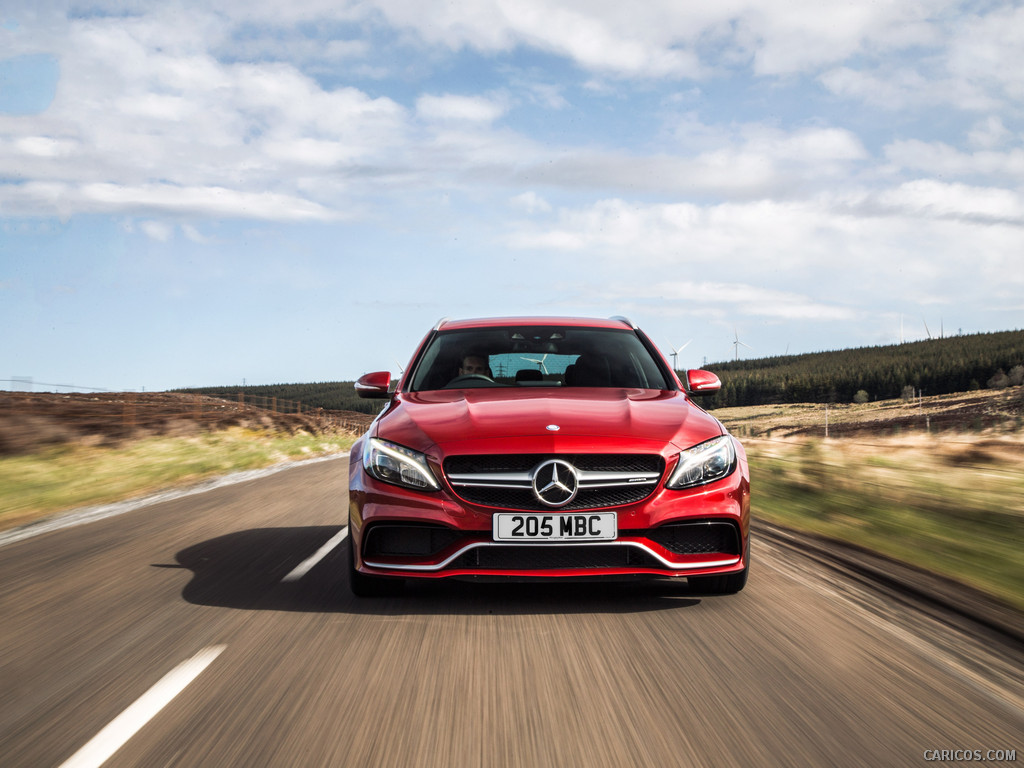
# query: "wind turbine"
[540,363]
[675,354]
[737,344]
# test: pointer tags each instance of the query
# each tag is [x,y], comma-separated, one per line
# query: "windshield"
[535,356]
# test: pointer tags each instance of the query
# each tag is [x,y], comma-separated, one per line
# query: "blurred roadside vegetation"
[952,504]
[60,477]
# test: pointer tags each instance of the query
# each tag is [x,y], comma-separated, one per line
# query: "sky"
[257,192]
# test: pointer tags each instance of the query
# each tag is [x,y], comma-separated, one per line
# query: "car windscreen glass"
[539,356]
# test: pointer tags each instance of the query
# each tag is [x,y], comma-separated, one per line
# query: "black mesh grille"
[586,498]
[523,557]
[597,498]
[524,462]
[698,538]
[389,539]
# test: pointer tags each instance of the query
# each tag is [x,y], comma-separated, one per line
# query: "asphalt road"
[172,636]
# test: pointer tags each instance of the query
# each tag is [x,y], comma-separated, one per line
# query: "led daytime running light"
[398,465]
[704,464]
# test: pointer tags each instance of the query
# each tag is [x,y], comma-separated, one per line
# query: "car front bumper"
[402,533]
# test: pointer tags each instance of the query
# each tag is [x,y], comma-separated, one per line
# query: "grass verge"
[73,475]
[951,507]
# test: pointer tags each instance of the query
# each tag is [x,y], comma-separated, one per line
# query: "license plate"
[601,526]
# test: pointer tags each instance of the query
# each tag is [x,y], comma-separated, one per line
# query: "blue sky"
[193,196]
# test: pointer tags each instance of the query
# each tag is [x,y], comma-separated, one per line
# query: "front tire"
[368,586]
[727,584]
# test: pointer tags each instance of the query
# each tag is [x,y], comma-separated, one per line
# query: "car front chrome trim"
[491,479]
[433,567]
[587,479]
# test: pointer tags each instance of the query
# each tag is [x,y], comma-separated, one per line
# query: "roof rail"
[439,323]
[625,320]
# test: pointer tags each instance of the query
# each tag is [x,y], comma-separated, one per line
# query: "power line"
[28,382]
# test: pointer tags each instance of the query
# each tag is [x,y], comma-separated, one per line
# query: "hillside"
[932,367]
[329,395]
[30,421]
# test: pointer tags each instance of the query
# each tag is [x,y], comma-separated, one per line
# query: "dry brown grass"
[984,412]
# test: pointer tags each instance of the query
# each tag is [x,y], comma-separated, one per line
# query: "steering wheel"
[466,378]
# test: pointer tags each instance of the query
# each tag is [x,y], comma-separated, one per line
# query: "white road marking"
[127,724]
[304,567]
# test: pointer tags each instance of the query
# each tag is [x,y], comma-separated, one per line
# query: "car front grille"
[506,481]
[698,538]
[404,539]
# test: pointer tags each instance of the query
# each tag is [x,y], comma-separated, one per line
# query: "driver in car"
[473,363]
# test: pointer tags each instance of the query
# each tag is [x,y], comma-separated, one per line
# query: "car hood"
[523,420]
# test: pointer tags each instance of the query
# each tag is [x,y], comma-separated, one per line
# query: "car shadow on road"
[246,570]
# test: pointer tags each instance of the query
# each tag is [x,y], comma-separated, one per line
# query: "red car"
[546,447]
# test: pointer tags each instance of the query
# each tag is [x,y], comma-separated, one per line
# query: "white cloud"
[751,300]
[459,108]
[893,89]
[988,51]
[973,62]
[192,233]
[157,230]
[683,234]
[145,101]
[597,37]
[937,199]
[64,200]
[43,146]
[531,203]
[942,160]
[143,106]
[663,38]
[798,36]
[988,133]
[752,161]
[916,243]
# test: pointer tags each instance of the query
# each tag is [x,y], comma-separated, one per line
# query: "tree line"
[932,367]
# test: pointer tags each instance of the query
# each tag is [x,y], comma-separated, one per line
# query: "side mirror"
[700,382]
[374,385]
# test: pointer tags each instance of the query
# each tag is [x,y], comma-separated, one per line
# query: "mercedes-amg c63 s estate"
[546,448]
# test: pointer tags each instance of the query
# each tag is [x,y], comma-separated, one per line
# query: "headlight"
[396,464]
[704,464]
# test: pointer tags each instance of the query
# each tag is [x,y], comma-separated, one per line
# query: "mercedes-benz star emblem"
[555,483]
